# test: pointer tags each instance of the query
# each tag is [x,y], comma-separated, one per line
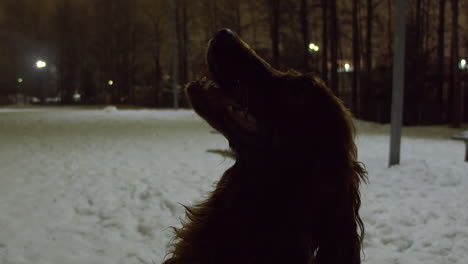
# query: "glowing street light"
[20,80]
[110,82]
[76,97]
[41,64]
[313,47]
[462,64]
[347,67]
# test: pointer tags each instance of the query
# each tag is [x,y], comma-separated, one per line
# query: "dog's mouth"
[229,99]
[220,107]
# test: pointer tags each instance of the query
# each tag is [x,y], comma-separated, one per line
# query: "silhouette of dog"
[292,195]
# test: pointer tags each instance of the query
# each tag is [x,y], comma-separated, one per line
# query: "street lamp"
[313,47]
[41,64]
[347,67]
[76,97]
[462,64]
[19,96]
[110,82]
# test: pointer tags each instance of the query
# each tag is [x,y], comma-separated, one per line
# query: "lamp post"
[40,65]
[19,96]
[398,82]
[346,67]
[462,64]
[313,49]
[109,93]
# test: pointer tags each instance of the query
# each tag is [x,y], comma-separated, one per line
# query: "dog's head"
[258,107]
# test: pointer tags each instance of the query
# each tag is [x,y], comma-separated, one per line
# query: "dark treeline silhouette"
[142,52]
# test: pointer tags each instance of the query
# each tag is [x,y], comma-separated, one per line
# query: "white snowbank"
[91,186]
[110,108]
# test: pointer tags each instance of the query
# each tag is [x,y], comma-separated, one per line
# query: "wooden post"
[398,82]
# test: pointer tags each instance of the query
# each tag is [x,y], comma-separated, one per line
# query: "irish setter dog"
[292,195]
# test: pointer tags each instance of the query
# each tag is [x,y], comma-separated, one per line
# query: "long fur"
[292,196]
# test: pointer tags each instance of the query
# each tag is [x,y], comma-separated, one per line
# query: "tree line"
[142,52]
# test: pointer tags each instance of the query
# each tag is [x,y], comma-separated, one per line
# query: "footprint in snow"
[402,243]
[170,205]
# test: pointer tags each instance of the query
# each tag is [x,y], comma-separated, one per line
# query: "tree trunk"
[182,39]
[156,43]
[356,57]
[174,8]
[368,94]
[238,16]
[274,31]
[427,26]
[66,50]
[305,35]
[418,25]
[325,41]
[334,82]
[457,100]
[185,44]
[128,53]
[441,51]
[253,20]
[157,76]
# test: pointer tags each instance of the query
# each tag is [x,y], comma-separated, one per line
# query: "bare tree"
[334,82]
[325,37]
[368,53]
[103,48]
[15,38]
[418,25]
[174,52]
[274,11]
[155,13]
[441,50]
[356,55]
[234,9]
[457,99]
[212,16]
[181,21]
[128,51]
[303,11]
[67,50]
[389,31]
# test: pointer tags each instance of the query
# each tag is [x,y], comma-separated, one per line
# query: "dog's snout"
[225,35]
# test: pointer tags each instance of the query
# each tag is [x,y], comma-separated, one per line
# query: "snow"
[110,108]
[105,186]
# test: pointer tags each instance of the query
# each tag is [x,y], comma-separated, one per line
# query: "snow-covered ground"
[104,186]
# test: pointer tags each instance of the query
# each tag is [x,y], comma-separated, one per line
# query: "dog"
[292,195]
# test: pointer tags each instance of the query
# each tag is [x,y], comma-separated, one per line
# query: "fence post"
[398,82]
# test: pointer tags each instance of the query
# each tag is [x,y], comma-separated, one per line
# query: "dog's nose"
[223,35]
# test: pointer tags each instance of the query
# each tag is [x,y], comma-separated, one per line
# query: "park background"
[99,148]
[142,52]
